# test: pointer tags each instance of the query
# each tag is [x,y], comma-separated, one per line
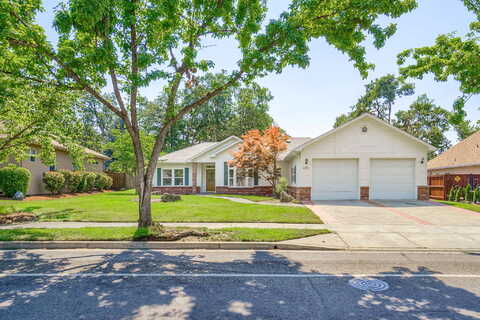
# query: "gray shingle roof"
[185,154]
[294,142]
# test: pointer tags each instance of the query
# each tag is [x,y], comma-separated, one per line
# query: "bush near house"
[54,181]
[465,194]
[72,180]
[13,179]
[103,181]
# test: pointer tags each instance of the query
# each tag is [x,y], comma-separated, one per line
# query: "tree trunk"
[144,202]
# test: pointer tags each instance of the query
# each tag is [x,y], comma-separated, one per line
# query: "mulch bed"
[57,196]
[17,217]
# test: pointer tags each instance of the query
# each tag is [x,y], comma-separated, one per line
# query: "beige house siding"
[458,170]
[37,168]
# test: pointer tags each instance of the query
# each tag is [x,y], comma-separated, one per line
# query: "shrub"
[468,192]
[88,181]
[72,180]
[451,194]
[281,186]
[458,194]
[54,181]
[13,179]
[167,197]
[103,181]
[476,195]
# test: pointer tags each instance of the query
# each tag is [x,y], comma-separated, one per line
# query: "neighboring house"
[462,158]
[95,163]
[365,158]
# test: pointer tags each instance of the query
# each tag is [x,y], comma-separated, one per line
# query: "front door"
[210,179]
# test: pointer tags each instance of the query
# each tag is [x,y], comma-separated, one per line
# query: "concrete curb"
[12,245]
[157,245]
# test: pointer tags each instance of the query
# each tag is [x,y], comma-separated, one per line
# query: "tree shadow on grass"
[180,296]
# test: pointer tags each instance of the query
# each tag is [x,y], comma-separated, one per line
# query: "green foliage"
[13,179]
[72,180]
[451,194]
[103,181]
[54,181]
[426,121]
[450,57]
[467,191]
[380,95]
[123,153]
[88,181]
[458,194]
[235,111]
[281,185]
[476,195]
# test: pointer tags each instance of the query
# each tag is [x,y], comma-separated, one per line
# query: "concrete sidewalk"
[353,237]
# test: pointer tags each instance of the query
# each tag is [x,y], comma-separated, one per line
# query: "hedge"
[103,181]
[13,179]
[77,181]
[54,181]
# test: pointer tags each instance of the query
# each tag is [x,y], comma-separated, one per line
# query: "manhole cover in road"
[369,284]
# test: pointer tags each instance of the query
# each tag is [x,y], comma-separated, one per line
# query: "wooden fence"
[121,180]
[440,185]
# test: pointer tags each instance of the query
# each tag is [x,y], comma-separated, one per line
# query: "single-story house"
[462,158]
[366,158]
[94,162]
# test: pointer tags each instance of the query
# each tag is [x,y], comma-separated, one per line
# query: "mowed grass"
[122,207]
[468,206]
[247,197]
[132,233]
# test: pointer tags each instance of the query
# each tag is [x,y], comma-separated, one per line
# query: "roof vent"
[364,129]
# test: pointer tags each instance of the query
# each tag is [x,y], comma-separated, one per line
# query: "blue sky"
[307,101]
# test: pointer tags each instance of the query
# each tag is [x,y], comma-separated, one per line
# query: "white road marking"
[238,275]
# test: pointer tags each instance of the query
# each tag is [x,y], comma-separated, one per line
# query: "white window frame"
[294,174]
[172,178]
[233,179]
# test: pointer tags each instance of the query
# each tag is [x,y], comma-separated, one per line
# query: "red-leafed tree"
[259,151]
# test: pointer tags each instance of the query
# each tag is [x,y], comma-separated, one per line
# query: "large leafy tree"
[35,113]
[454,57]
[426,121]
[235,111]
[131,43]
[378,99]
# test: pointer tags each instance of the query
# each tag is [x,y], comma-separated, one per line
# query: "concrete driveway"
[384,212]
[400,224]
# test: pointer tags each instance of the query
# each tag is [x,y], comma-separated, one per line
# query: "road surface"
[122,284]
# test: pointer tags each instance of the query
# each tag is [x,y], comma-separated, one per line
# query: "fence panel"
[440,185]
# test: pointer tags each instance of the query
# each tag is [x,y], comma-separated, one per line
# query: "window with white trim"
[173,177]
[239,177]
[294,174]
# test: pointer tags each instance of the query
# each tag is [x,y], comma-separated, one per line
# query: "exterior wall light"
[306,161]
[422,161]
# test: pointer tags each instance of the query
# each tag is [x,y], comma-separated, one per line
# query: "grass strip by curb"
[467,206]
[132,233]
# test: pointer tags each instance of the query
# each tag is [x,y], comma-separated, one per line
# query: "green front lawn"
[131,233]
[468,206]
[251,198]
[122,207]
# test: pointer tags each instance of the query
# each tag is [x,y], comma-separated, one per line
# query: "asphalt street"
[148,284]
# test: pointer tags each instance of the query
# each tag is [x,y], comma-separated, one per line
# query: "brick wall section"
[194,174]
[364,193]
[256,191]
[423,193]
[176,190]
[300,193]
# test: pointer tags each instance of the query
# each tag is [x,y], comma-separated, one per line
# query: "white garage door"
[335,179]
[392,179]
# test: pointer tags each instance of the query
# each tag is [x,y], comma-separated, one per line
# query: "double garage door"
[337,179]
